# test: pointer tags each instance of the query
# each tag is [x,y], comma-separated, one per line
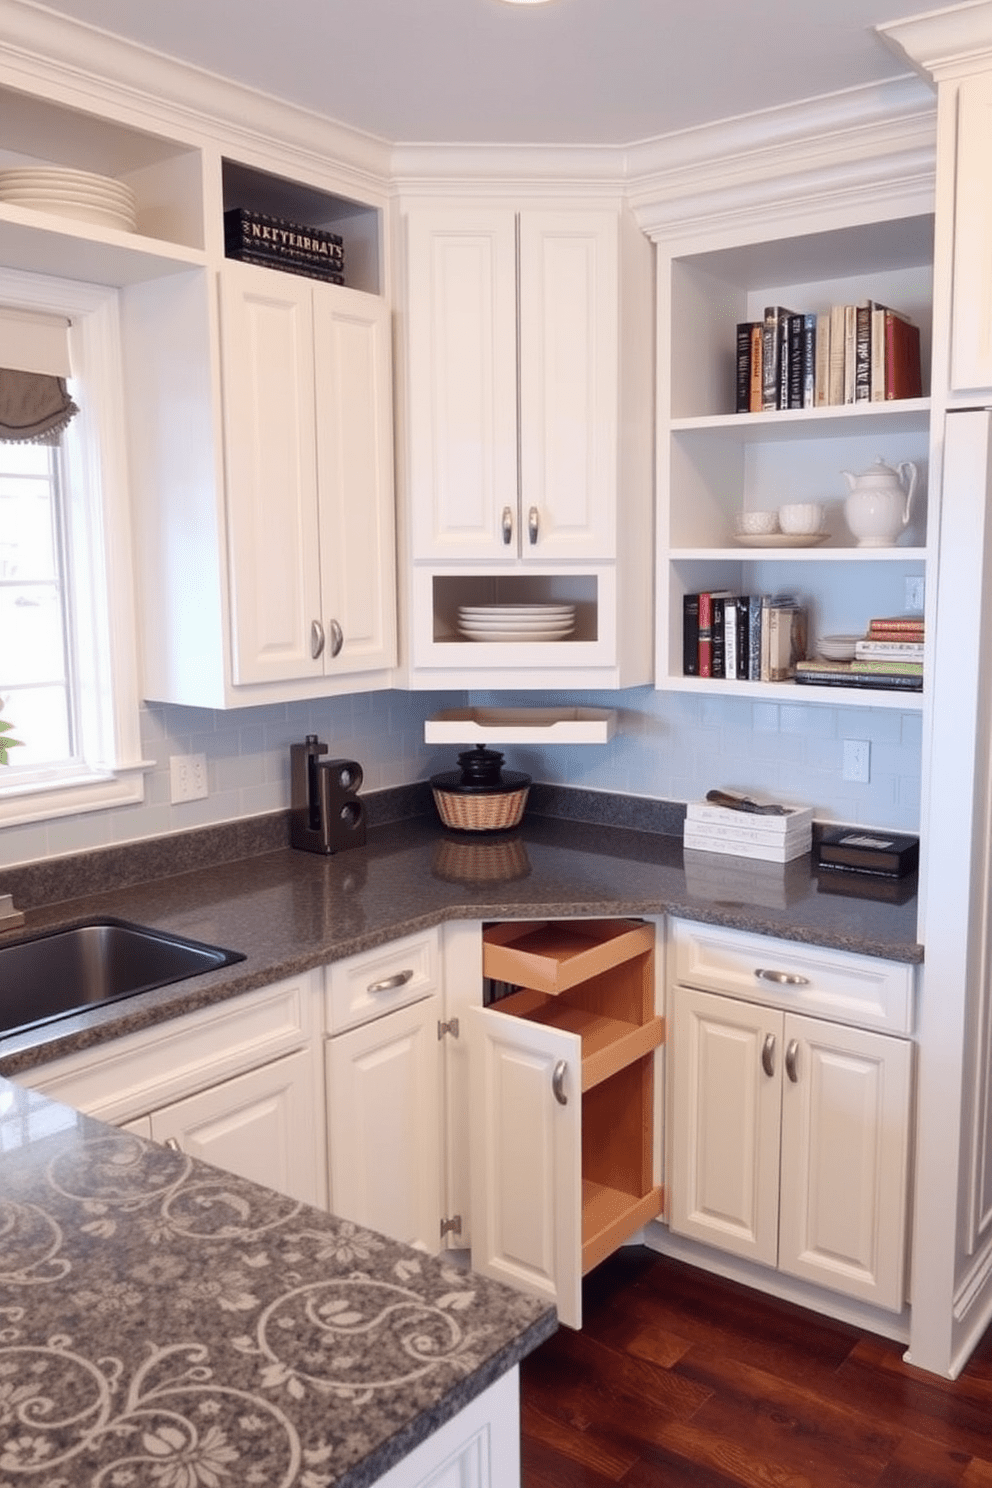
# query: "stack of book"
[255,237]
[847,354]
[745,834]
[889,655]
[742,637]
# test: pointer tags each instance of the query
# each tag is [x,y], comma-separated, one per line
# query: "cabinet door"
[971,303]
[384,1125]
[845,1138]
[462,382]
[725,1122]
[527,1157]
[259,1125]
[352,360]
[271,473]
[569,369]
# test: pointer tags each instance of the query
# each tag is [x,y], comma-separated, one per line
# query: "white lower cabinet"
[237,1084]
[565,1162]
[789,1135]
[383,1124]
[395,1082]
[259,1125]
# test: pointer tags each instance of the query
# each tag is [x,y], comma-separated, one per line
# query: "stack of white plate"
[516,622]
[70,193]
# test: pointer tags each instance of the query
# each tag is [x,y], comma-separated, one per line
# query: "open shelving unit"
[714,463]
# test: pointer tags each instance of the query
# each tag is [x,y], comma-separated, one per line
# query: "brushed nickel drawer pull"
[173,1144]
[533,524]
[783,978]
[337,637]
[558,1082]
[390,983]
[316,639]
[768,1055]
[791,1052]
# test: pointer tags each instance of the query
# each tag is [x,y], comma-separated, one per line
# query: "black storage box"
[277,243]
[860,850]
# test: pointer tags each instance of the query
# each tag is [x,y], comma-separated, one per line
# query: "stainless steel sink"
[68,971]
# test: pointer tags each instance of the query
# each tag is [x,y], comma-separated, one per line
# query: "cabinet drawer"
[141,1071]
[374,982]
[862,990]
[553,957]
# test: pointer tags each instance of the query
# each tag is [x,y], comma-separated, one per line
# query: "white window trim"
[97,452]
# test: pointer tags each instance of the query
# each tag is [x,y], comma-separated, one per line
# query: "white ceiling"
[606,72]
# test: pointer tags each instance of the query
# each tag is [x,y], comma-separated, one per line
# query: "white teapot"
[880,501]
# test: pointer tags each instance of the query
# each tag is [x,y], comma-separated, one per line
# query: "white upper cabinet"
[307,437]
[261,432]
[529,344]
[462,377]
[513,384]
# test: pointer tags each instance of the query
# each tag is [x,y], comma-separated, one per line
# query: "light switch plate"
[857,760]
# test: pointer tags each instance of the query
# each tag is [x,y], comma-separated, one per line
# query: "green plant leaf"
[7,744]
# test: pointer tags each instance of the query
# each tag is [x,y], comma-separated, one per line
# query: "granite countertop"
[288,911]
[167,1322]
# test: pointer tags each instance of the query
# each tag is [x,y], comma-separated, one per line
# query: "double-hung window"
[68,677]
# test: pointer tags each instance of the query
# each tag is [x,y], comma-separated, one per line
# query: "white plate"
[50,174]
[521,630]
[495,612]
[80,212]
[519,635]
[116,190]
[780,539]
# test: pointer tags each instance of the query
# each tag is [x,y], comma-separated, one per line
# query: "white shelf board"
[521,726]
[86,250]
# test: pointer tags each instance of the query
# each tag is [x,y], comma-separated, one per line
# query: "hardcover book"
[775,321]
[903,372]
[742,397]
[690,635]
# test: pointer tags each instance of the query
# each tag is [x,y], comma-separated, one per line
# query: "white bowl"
[757,523]
[801,517]
[837,647]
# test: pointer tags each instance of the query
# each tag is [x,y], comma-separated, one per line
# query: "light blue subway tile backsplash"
[668,746]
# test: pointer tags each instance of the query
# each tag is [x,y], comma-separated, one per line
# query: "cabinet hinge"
[452,1226]
[450,1027]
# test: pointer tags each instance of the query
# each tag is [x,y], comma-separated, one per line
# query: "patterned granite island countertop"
[164,1324]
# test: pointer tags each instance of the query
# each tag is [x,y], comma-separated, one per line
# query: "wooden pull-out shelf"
[609,1041]
[554,956]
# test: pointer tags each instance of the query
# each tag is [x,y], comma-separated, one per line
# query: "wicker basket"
[491,811]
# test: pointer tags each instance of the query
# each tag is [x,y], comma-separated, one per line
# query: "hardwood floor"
[679,1378]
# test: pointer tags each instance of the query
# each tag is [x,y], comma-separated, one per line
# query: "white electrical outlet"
[187,777]
[915,595]
[857,760]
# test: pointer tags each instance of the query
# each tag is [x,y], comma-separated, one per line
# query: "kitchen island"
[166,1322]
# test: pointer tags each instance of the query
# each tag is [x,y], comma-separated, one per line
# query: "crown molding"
[69,62]
[466,169]
[945,43]
[875,143]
